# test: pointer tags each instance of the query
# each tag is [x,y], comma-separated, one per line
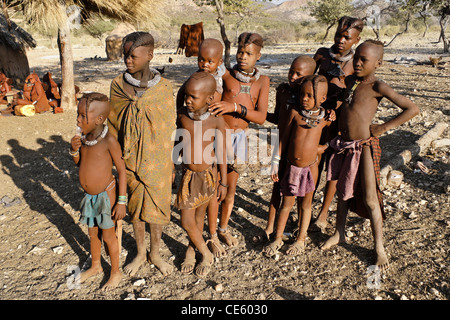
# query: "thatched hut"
[13,44]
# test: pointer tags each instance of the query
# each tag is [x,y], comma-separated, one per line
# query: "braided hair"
[346,23]
[247,38]
[315,79]
[93,96]
[139,39]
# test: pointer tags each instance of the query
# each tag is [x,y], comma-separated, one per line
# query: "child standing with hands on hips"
[95,151]
[355,163]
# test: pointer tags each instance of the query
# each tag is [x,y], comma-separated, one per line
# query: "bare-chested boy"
[301,141]
[210,60]
[355,162]
[335,63]
[200,184]
[95,151]
[143,117]
[245,99]
[286,98]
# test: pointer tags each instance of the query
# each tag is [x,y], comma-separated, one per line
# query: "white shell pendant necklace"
[94,142]
[202,117]
[312,118]
[246,77]
[142,84]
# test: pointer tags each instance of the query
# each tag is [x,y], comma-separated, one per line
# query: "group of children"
[323,113]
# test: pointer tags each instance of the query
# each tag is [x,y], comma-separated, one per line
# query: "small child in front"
[245,99]
[95,151]
[210,60]
[355,161]
[203,149]
[301,140]
[286,98]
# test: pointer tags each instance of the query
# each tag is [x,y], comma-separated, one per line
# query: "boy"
[335,63]
[301,140]
[355,161]
[95,151]
[199,184]
[245,99]
[210,60]
[286,98]
[143,117]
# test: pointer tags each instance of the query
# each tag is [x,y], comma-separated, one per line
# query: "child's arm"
[283,141]
[75,145]
[221,159]
[257,115]
[409,108]
[273,117]
[119,210]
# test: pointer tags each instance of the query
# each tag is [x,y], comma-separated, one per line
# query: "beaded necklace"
[94,142]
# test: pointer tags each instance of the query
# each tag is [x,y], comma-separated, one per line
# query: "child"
[95,151]
[355,161]
[143,117]
[335,63]
[199,184]
[301,140]
[210,60]
[286,98]
[245,99]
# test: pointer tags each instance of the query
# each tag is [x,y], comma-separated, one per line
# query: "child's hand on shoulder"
[331,115]
[219,108]
[75,143]
[119,212]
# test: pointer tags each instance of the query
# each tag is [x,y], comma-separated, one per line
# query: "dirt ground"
[42,244]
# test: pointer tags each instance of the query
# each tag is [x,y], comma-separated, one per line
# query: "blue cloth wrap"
[96,211]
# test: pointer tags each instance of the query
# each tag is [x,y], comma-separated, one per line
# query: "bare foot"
[226,237]
[382,261]
[296,248]
[273,248]
[216,248]
[134,266]
[113,281]
[92,271]
[188,264]
[318,226]
[204,267]
[163,266]
[332,241]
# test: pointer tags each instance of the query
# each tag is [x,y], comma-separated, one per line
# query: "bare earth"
[42,244]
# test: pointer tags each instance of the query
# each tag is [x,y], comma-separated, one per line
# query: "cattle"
[191,37]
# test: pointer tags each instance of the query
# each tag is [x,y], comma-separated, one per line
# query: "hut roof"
[15,37]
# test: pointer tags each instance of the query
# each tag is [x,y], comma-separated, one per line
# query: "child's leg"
[330,190]
[304,218]
[369,187]
[286,206]
[111,241]
[227,208]
[214,244]
[275,201]
[96,246]
[341,218]
[192,220]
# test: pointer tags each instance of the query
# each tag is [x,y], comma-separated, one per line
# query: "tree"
[58,14]
[329,12]
[240,8]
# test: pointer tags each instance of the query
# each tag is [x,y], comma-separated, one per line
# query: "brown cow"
[191,37]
